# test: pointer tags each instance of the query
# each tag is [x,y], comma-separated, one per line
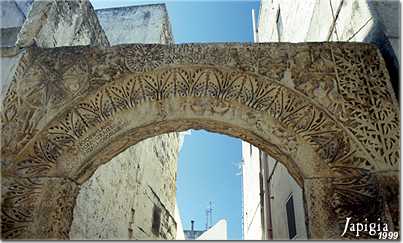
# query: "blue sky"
[209,171]
[202,21]
[208,162]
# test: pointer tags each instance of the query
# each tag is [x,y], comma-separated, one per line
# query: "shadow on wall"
[386,27]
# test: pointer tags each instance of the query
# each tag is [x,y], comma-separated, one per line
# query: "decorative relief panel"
[17,205]
[223,86]
[37,208]
[332,97]
[357,195]
[327,73]
[373,116]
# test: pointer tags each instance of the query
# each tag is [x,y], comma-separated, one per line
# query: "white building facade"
[273,202]
[369,21]
[252,216]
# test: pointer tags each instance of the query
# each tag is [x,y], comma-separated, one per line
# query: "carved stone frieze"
[220,89]
[37,208]
[324,110]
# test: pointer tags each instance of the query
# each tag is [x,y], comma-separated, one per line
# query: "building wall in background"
[12,17]
[180,235]
[45,24]
[252,216]
[370,21]
[282,186]
[376,22]
[136,24]
[121,200]
[261,184]
[216,232]
[13,13]
[61,23]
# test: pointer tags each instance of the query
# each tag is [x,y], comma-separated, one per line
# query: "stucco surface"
[136,24]
[282,187]
[11,14]
[124,210]
[260,184]
[61,23]
[252,217]
[117,201]
[45,24]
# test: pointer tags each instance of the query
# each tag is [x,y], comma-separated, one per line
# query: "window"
[156,221]
[279,25]
[292,230]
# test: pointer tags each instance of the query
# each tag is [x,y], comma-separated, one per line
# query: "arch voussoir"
[292,101]
[196,92]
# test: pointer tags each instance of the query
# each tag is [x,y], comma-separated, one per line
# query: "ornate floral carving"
[373,116]
[224,87]
[332,98]
[143,57]
[17,208]
[356,195]
[28,204]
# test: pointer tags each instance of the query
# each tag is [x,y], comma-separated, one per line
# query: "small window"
[292,230]
[156,223]
[279,25]
[250,150]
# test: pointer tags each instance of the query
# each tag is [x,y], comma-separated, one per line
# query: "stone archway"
[327,111]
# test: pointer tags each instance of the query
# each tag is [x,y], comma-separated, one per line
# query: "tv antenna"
[209,216]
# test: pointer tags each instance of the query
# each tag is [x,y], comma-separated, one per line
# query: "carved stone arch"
[296,102]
